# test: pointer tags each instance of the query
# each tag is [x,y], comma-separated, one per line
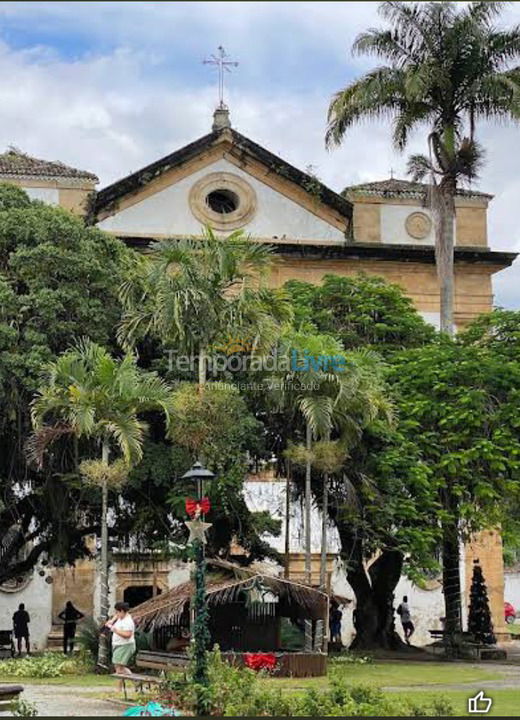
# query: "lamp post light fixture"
[201,637]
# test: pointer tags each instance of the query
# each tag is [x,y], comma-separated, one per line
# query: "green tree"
[461,409]
[196,293]
[218,426]
[58,282]
[88,393]
[499,332]
[446,66]
[360,311]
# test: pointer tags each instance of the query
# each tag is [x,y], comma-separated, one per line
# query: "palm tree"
[196,293]
[447,66]
[90,394]
[342,399]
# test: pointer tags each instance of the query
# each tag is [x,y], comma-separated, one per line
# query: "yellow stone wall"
[473,291]
[75,584]
[486,547]
[72,196]
[471,218]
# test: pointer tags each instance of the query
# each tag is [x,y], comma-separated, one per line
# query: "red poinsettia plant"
[260,661]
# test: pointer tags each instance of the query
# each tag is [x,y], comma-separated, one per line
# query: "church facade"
[229,182]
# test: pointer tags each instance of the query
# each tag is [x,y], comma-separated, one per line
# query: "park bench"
[8,696]
[464,645]
[6,643]
[153,660]
[141,681]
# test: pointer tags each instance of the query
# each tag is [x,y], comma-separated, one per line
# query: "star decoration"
[198,529]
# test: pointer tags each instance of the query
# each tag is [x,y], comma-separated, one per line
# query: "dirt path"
[69,701]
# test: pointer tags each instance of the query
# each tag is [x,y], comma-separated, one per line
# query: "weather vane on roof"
[223,63]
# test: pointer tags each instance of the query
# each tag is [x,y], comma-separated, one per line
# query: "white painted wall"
[167,212]
[427,606]
[512,589]
[50,196]
[433,318]
[270,496]
[393,230]
[37,597]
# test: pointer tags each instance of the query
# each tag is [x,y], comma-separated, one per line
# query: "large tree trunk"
[374,592]
[103,640]
[308,505]
[451,565]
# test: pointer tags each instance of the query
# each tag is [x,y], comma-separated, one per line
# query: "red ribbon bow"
[197,507]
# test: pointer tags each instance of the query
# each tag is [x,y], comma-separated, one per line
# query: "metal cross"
[223,64]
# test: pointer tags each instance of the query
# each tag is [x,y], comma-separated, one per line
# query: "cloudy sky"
[111,86]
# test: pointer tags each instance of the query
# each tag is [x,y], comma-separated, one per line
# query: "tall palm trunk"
[202,368]
[444,213]
[308,555]
[324,523]
[287,521]
[103,640]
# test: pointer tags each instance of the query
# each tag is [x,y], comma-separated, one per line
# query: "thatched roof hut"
[226,585]
[250,611]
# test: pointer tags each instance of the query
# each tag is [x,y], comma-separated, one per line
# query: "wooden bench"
[8,696]
[464,645]
[140,681]
[154,660]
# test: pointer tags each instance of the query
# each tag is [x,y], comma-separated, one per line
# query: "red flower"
[260,661]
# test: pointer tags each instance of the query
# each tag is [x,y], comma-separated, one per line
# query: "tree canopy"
[58,283]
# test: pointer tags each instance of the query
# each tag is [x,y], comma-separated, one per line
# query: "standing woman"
[70,617]
[123,638]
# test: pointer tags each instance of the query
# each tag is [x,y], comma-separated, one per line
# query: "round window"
[223,201]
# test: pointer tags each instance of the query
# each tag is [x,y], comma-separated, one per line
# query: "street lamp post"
[201,637]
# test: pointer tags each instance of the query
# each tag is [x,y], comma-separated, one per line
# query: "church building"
[229,182]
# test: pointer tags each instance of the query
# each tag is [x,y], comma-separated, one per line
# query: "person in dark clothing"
[335,619]
[70,617]
[21,622]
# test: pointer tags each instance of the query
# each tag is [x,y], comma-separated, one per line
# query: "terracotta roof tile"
[393,187]
[13,162]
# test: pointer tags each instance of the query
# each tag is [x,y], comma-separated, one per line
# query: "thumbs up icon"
[480,703]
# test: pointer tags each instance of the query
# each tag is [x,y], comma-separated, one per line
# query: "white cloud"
[133,96]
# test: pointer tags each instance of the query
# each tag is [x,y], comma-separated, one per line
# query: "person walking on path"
[406,619]
[70,616]
[21,620]
[123,639]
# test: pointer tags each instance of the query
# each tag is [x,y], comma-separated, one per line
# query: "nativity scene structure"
[229,182]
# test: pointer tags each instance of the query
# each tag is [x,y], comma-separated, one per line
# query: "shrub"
[234,691]
[23,708]
[88,637]
[47,665]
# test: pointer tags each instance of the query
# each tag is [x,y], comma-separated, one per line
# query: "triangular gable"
[292,204]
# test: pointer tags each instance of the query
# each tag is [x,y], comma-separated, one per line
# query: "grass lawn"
[514,629]
[421,677]
[88,680]
[394,674]
[506,703]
